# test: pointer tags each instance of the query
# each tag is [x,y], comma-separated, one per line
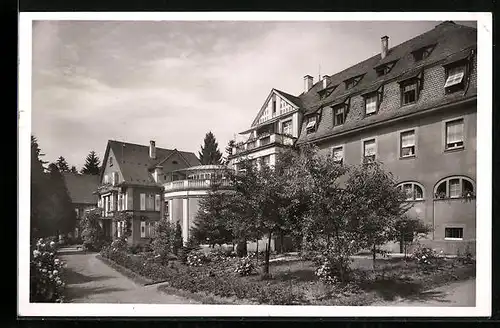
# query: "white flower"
[36,253]
[52,244]
[56,261]
[55,272]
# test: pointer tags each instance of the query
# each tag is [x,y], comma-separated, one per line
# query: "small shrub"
[196,258]
[46,284]
[245,266]
[427,259]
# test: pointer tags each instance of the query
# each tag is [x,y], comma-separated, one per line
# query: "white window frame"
[342,160]
[334,110]
[370,96]
[447,184]
[288,122]
[413,184]
[445,133]
[400,148]
[455,78]
[363,148]
[142,201]
[454,226]
[311,124]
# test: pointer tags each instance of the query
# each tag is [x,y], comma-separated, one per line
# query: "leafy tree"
[407,230]
[92,232]
[378,203]
[73,169]
[92,164]
[164,241]
[210,153]
[62,164]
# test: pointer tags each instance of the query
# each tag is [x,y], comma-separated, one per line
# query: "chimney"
[385,46]
[325,81]
[308,83]
[152,149]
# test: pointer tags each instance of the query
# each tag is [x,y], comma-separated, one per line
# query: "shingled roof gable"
[448,38]
[135,164]
[294,101]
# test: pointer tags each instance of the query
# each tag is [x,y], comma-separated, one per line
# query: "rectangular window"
[454,233]
[76,212]
[286,128]
[266,160]
[311,125]
[371,104]
[455,76]
[409,93]
[150,205]
[369,150]
[455,134]
[338,115]
[408,143]
[338,155]
[119,229]
[455,191]
[120,202]
[106,179]
[108,204]
[157,202]
[274,106]
[143,229]
[143,202]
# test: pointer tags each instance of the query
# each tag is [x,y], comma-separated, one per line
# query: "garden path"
[460,293]
[91,281]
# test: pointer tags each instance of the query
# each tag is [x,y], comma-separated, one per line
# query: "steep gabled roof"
[294,101]
[135,164]
[81,187]
[448,38]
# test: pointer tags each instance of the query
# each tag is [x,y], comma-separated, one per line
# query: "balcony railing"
[264,140]
[193,185]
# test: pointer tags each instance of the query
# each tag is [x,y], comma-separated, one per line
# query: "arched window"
[454,187]
[413,190]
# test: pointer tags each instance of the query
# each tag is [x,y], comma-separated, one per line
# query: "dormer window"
[410,88]
[338,115]
[422,53]
[311,124]
[352,82]
[455,77]
[385,68]
[325,92]
[371,104]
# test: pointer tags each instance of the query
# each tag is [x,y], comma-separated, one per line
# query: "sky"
[173,81]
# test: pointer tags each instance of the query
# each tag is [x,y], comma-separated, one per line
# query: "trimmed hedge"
[217,281]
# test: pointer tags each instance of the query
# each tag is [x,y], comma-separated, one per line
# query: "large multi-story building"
[411,107]
[132,182]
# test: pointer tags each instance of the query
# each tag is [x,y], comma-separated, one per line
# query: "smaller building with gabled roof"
[130,190]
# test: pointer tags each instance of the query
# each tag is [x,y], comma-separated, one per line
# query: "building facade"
[130,192]
[413,108]
[81,188]
[183,193]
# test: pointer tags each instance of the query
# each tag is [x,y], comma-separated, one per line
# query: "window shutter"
[143,229]
[143,202]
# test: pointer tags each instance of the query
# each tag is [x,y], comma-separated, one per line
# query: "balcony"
[263,140]
[182,185]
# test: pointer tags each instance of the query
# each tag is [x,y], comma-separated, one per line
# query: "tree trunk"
[267,254]
[374,254]
[402,243]
[257,252]
[241,247]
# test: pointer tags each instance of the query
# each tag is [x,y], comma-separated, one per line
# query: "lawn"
[294,281]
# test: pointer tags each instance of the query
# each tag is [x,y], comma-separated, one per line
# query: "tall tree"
[92,164]
[39,197]
[62,214]
[62,164]
[229,151]
[210,153]
[73,169]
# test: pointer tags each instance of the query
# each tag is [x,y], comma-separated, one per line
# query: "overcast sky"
[174,81]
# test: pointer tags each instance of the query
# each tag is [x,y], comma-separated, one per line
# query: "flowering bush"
[46,284]
[427,258]
[196,258]
[326,273]
[245,266]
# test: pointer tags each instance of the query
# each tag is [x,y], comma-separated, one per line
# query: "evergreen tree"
[92,164]
[62,216]
[38,191]
[229,150]
[62,164]
[74,170]
[210,153]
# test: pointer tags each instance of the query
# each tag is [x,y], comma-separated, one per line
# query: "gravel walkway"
[91,281]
